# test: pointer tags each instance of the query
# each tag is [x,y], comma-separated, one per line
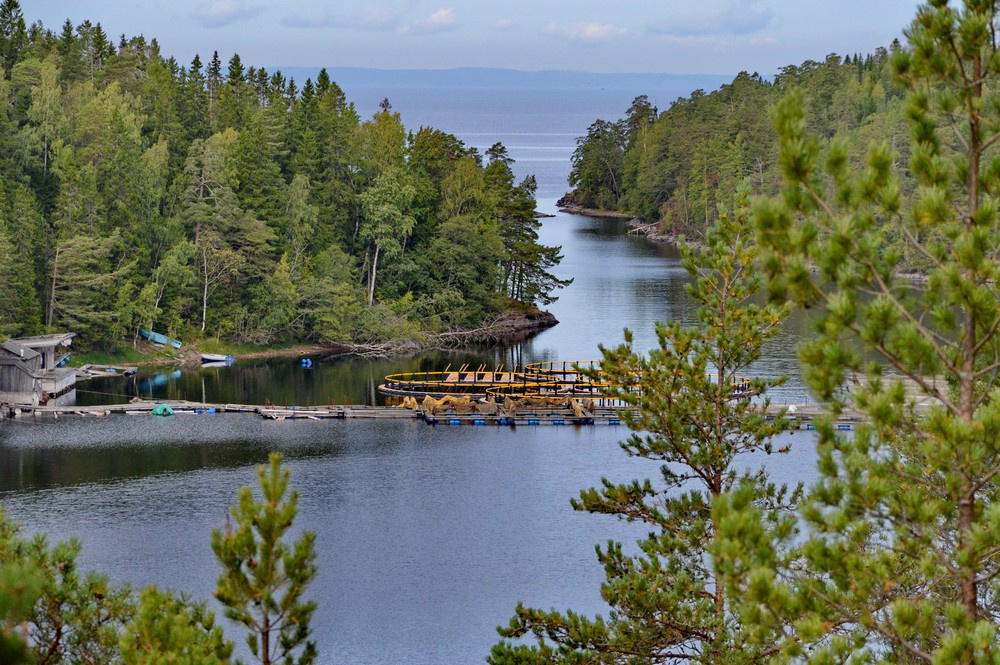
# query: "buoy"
[306,362]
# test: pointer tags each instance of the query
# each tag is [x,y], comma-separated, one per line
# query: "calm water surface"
[427,536]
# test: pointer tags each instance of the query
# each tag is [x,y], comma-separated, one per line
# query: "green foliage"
[13,34]
[897,554]
[264,577]
[526,263]
[168,630]
[52,613]
[61,614]
[137,191]
[598,164]
[387,220]
[695,419]
[675,167]
[19,588]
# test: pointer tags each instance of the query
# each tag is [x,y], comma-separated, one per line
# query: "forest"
[224,200]
[890,555]
[675,167]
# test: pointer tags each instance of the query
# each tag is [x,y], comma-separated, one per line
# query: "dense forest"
[227,200]
[677,166]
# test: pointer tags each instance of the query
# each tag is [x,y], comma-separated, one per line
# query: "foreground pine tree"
[171,630]
[264,577]
[900,557]
[695,420]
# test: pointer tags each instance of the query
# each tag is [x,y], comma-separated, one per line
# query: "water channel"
[427,536]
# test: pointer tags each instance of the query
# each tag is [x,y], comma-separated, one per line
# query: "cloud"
[733,18]
[303,21]
[591,33]
[220,13]
[377,19]
[440,21]
[504,24]
[382,17]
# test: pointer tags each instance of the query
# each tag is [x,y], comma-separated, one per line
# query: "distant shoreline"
[574,209]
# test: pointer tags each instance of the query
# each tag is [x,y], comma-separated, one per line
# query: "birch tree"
[387,220]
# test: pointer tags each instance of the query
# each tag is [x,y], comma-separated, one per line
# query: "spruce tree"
[13,35]
[264,577]
[694,418]
[899,552]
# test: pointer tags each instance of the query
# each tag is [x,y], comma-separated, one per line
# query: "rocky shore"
[649,230]
[567,204]
[506,328]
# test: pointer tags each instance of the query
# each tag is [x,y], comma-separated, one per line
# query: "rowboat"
[159,338]
[217,358]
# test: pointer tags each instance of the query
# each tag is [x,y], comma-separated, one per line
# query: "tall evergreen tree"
[899,548]
[525,263]
[695,419]
[13,35]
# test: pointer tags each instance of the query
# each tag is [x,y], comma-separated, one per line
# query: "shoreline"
[507,327]
[648,230]
[574,209]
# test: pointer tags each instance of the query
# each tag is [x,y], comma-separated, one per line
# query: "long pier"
[525,416]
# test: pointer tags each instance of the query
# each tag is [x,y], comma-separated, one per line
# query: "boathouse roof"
[18,350]
[45,341]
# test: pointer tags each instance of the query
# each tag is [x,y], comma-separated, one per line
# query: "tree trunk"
[371,281]
[52,293]
[204,293]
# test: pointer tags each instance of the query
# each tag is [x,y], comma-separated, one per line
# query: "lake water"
[427,536]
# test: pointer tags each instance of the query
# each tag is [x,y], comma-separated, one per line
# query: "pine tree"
[263,576]
[525,263]
[901,535]
[695,418]
[173,630]
[67,615]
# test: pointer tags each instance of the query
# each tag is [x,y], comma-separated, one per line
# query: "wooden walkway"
[183,407]
[524,416]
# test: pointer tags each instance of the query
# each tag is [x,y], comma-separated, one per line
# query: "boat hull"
[159,338]
[217,358]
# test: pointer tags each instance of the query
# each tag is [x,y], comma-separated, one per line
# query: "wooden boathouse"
[30,372]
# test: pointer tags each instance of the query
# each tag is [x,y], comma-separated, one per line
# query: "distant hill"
[471,77]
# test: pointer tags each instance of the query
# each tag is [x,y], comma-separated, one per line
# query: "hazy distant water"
[539,127]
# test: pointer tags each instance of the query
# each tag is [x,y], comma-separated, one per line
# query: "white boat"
[217,358]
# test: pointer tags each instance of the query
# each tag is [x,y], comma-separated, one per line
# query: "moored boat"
[217,358]
[159,338]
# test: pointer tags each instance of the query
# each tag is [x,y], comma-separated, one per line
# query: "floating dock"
[520,416]
[103,371]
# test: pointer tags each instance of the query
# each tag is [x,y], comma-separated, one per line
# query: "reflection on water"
[620,281]
[427,536]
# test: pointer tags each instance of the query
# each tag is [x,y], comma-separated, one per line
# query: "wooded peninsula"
[673,168]
[226,201]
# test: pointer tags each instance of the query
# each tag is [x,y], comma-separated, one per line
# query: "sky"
[657,36]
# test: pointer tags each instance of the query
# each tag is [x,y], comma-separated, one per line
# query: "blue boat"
[158,338]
